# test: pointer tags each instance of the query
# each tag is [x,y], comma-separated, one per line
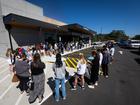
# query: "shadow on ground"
[51,83]
[135,52]
[137,60]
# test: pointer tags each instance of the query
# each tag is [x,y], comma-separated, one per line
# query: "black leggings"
[105,69]
[23,83]
[94,75]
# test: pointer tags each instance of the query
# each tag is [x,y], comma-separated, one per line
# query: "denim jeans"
[57,82]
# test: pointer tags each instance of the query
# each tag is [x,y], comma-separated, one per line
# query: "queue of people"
[27,68]
[101,58]
[27,64]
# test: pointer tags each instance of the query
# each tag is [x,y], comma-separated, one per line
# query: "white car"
[98,44]
[134,43]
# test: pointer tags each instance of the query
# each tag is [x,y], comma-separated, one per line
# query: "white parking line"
[45,98]
[5,64]
[6,91]
[4,78]
[3,71]
[3,61]
[20,97]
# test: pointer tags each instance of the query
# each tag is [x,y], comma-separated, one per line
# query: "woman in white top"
[112,51]
[81,68]
[100,61]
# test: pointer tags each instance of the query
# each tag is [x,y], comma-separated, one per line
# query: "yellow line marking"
[74,59]
[72,63]
[67,63]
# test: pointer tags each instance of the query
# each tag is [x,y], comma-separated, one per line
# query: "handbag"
[15,78]
[30,83]
[67,76]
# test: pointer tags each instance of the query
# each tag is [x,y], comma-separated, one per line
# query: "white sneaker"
[91,86]
[83,87]
[96,84]
[74,88]
[64,98]
[106,76]
[57,100]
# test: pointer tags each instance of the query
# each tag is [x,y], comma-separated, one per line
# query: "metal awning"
[25,22]
[79,29]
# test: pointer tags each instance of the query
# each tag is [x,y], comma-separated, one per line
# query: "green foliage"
[114,35]
[136,37]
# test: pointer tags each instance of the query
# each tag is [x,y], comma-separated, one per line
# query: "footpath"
[10,95]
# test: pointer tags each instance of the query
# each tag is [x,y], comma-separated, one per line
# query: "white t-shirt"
[81,68]
[112,51]
[101,58]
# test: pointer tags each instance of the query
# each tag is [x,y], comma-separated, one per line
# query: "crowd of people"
[92,68]
[27,66]
[101,58]
[26,70]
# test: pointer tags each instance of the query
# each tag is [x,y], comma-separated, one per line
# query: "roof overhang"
[79,29]
[25,22]
[15,20]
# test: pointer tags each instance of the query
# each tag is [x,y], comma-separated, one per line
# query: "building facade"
[23,8]
[23,23]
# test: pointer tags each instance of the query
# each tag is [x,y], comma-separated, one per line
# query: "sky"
[102,16]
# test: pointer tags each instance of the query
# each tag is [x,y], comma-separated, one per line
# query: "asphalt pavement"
[121,88]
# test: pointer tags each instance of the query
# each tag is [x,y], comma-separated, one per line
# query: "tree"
[136,37]
[118,35]
[114,35]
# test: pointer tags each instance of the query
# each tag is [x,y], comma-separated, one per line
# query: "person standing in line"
[112,51]
[100,60]
[22,71]
[94,70]
[81,69]
[105,62]
[10,59]
[56,48]
[59,68]
[38,77]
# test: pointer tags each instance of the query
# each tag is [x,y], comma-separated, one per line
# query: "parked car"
[98,44]
[123,44]
[133,43]
[139,50]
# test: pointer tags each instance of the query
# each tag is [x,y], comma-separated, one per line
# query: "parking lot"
[121,88]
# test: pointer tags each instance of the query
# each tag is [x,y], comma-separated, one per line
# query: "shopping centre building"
[23,23]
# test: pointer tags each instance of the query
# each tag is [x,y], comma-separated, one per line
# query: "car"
[123,44]
[133,43]
[139,50]
[98,44]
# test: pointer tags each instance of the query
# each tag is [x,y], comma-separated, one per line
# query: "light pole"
[9,27]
